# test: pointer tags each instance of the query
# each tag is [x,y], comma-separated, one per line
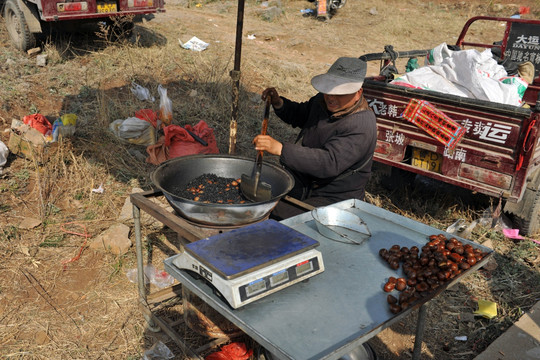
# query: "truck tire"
[526,213]
[17,28]
[335,4]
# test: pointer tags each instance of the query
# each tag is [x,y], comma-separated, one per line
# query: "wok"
[176,173]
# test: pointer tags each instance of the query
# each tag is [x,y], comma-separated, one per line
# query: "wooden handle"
[265,120]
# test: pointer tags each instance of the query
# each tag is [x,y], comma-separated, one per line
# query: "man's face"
[335,103]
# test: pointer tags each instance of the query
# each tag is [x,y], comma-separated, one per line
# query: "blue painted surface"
[242,250]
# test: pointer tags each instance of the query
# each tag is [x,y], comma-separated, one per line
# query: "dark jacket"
[332,149]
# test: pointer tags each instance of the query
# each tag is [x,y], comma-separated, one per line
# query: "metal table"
[334,312]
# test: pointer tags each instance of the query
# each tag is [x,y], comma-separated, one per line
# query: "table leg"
[420,324]
[140,267]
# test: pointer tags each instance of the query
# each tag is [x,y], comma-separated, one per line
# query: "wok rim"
[290,184]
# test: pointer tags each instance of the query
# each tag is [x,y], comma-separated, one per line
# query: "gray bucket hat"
[345,76]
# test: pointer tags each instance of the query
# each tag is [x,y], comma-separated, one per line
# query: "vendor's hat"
[345,76]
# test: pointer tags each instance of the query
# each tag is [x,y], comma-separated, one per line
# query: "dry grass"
[87,310]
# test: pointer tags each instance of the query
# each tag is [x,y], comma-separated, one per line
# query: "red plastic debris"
[232,351]
[148,115]
[38,122]
[524,10]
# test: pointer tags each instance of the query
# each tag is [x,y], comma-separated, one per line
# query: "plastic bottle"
[56,129]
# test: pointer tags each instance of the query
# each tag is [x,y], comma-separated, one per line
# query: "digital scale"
[253,261]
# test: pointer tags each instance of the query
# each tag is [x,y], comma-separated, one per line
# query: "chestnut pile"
[439,261]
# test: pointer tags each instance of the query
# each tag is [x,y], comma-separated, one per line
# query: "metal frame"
[189,232]
[149,303]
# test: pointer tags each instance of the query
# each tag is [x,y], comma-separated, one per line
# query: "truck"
[499,153]
[27,20]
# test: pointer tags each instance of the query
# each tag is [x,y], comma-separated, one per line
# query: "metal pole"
[420,324]
[235,75]
[138,245]
[140,267]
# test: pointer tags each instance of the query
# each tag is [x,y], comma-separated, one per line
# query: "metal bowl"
[340,225]
[178,172]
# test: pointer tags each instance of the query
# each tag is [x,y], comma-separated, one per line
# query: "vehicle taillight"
[72,6]
[140,3]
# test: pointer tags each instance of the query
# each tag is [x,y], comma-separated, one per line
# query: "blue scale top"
[246,249]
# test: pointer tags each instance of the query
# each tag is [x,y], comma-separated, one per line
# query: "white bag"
[467,73]
[134,130]
[141,92]
[4,152]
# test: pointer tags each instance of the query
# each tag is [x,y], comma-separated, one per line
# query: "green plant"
[22,175]
[53,241]
[9,233]
[89,215]
[52,209]
[117,267]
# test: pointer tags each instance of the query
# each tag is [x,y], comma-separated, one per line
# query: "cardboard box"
[29,143]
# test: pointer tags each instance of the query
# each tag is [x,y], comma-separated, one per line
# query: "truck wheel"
[526,213]
[16,25]
[336,4]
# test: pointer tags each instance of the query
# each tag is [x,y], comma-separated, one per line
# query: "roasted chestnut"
[422,286]
[401,285]
[389,286]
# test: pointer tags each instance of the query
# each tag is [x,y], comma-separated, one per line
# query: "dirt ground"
[54,305]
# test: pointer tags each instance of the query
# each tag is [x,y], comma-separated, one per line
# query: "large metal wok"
[178,172]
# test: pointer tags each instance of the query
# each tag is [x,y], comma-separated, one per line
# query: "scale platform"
[254,261]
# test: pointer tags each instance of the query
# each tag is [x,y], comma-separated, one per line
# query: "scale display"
[249,263]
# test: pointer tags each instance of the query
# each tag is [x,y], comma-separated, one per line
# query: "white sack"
[467,73]
[4,152]
[131,127]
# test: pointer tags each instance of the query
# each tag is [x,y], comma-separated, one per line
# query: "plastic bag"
[152,275]
[64,126]
[4,152]
[180,143]
[134,130]
[436,55]
[159,351]
[141,92]
[158,152]
[69,119]
[165,106]
[467,73]
[232,351]
[38,122]
[148,115]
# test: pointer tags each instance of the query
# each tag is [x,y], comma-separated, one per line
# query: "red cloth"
[178,142]
[233,351]
[38,122]
[158,152]
[181,143]
[148,115]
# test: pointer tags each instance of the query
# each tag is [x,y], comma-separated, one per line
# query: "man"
[332,157]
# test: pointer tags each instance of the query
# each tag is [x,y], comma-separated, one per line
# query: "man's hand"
[275,99]
[268,144]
